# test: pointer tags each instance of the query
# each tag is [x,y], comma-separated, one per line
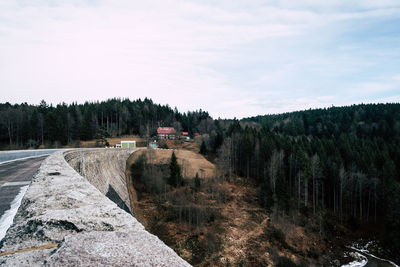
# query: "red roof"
[196,133]
[185,133]
[166,130]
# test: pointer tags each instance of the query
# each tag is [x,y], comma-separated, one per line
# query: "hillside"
[215,222]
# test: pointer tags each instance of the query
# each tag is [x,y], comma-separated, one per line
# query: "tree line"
[43,125]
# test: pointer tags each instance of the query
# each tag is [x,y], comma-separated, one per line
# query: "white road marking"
[16,183]
[7,219]
[13,160]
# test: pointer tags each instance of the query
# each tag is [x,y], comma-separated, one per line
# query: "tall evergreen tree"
[175,176]
[203,148]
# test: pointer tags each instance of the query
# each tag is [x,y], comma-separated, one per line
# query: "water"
[364,258]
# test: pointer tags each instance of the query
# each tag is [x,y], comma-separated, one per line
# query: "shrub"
[313,253]
[278,235]
[163,145]
[198,252]
[285,262]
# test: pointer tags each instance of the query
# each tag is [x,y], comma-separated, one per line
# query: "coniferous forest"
[24,125]
[339,164]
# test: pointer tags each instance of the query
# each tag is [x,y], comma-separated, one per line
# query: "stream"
[363,257]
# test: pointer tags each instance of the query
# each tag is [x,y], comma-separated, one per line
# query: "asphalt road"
[13,176]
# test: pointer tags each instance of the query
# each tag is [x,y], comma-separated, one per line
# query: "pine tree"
[197,182]
[175,177]
[203,148]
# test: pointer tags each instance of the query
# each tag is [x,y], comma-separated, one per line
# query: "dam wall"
[105,169]
[64,220]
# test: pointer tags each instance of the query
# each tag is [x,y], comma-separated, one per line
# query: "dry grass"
[191,145]
[190,162]
[244,222]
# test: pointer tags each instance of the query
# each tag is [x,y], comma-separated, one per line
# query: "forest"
[25,126]
[333,165]
[340,161]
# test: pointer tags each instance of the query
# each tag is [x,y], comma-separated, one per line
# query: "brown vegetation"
[192,145]
[217,222]
[190,162]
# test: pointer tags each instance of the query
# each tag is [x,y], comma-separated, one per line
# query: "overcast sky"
[231,58]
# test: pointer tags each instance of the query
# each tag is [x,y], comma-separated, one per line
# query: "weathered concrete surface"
[105,169]
[61,207]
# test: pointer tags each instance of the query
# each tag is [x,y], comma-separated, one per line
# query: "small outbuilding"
[153,144]
[128,144]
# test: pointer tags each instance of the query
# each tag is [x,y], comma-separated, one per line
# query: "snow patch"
[360,261]
[7,219]
[365,251]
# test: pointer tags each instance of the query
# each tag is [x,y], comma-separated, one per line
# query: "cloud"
[372,88]
[396,77]
[231,58]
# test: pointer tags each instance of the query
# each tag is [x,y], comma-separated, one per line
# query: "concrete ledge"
[65,220]
[105,169]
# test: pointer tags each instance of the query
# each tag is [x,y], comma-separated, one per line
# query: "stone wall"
[66,221]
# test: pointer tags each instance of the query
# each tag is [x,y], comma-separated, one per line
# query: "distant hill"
[361,120]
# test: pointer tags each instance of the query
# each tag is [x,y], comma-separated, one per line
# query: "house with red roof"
[166,133]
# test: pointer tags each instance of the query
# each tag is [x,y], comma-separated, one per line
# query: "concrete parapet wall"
[66,221]
[105,169]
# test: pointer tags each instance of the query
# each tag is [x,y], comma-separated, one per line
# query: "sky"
[232,58]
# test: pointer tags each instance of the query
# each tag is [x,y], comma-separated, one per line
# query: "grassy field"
[190,162]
